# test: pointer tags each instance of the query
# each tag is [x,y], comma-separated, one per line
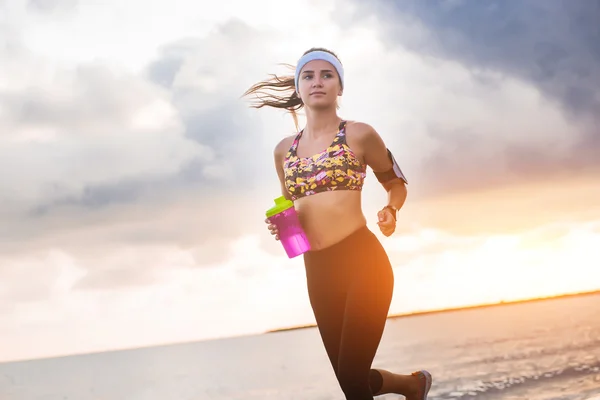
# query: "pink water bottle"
[283,216]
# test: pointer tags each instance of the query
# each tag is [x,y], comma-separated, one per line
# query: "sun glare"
[499,268]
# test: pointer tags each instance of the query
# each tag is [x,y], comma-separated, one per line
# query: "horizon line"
[308,326]
[458,308]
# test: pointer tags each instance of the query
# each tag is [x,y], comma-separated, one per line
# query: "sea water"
[537,351]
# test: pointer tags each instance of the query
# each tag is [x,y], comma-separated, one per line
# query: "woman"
[349,276]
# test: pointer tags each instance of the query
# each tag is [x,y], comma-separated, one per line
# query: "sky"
[135,178]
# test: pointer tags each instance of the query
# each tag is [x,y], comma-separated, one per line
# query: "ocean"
[546,350]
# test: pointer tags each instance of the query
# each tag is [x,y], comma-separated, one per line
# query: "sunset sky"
[135,179]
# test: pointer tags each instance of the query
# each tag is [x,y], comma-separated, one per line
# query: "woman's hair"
[266,91]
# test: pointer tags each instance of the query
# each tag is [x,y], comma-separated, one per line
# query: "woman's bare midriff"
[329,217]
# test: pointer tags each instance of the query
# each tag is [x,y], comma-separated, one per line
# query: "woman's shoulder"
[360,130]
[282,147]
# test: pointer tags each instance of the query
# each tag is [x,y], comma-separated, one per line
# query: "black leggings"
[350,286]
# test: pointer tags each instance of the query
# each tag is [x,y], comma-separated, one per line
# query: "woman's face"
[319,84]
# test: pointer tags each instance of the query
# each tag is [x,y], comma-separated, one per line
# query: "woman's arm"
[381,160]
[278,156]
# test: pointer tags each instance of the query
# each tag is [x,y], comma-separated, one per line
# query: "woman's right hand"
[273,229]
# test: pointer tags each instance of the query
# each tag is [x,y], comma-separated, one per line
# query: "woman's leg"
[327,289]
[328,305]
[413,386]
[366,313]
[367,305]
[350,287]
[388,382]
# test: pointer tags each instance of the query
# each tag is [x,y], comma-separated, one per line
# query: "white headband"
[319,55]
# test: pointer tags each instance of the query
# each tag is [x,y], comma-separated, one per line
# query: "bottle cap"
[281,204]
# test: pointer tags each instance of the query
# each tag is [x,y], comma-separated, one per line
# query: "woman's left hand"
[386,222]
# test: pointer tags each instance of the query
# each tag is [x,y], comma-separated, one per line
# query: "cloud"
[182,306]
[206,77]
[72,132]
[93,137]
[104,156]
[129,176]
[124,173]
[87,139]
[526,66]
[553,44]
[136,179]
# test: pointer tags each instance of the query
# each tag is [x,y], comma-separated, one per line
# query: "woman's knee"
[354,387]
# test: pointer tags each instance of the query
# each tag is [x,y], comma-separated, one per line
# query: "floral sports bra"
[335,168]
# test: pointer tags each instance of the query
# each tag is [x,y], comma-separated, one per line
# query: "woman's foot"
[414,386]
[422,384]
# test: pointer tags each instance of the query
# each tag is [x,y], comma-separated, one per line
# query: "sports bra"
[335,168]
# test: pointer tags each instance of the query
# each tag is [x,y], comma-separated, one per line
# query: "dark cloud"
[102,195]
[164,70]
[145,189]
[471,160]
[554,45]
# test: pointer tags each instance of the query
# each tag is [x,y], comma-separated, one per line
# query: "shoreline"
[293,328]
[455,309]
